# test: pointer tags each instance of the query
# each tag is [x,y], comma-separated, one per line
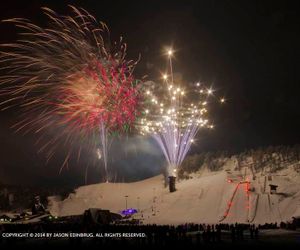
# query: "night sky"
[246,50]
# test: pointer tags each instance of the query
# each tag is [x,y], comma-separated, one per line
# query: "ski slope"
[225,196]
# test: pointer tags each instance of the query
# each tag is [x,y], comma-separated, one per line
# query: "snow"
[204,198]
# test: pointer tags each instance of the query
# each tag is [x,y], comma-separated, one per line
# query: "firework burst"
[173,115]
[69,76]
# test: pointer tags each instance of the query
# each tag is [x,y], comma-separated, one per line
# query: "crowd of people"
[186,234]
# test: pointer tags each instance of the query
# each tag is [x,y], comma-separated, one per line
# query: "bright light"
[222,100]
[209,91]
[165,76]
[170,52]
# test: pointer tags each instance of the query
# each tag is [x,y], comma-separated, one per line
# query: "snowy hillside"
[225,196]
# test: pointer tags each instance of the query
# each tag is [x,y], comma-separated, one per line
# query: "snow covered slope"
[225,196]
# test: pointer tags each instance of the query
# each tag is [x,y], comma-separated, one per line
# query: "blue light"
[129,211]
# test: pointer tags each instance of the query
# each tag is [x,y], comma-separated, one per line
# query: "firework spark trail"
[175,143]
[69,78]
[103,142]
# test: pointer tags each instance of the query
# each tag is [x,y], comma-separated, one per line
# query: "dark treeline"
[272,157]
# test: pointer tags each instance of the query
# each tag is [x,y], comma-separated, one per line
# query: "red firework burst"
[69,78]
